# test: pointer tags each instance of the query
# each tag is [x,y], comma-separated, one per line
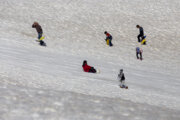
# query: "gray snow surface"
[48,83]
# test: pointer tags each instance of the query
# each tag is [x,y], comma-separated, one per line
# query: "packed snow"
[48,83]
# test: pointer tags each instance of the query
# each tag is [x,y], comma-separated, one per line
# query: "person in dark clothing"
[139,52]
[38,29]
[121,78]
[88,68]
[40,32]
[108,37]
[141,33]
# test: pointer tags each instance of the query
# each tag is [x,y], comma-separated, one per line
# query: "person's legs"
[110,39]
[39,35]
[107,41]
[142,37]
[137,55]
[92,70]
[139,38]
[110,44]
[140,55]
[122,84]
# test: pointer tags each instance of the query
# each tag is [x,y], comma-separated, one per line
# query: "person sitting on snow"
[88,68]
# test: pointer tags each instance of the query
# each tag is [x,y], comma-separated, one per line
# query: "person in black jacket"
[141,33]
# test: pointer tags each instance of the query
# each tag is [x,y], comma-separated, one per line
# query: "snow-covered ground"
[47,83]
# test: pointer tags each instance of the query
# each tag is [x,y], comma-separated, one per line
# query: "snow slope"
[43,83]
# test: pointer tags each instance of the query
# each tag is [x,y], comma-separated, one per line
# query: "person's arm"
[89,67]
[141,50]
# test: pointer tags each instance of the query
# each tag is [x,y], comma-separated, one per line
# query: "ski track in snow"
[48,82]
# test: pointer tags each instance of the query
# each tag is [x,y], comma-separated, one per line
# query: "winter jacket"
[121,76]
[38,27]
[86,67]
[108,36]
[138,50]
[141,31]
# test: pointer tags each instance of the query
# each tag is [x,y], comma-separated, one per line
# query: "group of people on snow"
[108,40]
[140,38]
[108,37]
[91,69]
[121,75]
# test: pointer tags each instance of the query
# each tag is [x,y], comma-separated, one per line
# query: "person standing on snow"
[108,37]
[141,33]
[38,29]
[88,68]
[121,78]
[139,52]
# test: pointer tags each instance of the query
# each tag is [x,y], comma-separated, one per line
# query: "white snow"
[47,83]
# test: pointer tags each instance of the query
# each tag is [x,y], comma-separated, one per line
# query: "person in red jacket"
[88,68]
[108,37]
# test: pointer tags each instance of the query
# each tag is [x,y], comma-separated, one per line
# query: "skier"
[39,31]
[108,38]
[141,33]
[121,78]
[88,68]
[139,52]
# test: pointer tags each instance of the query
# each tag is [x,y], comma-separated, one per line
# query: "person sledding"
[141,33]
[39,31]
[121,78]
[108,38]
[88,68]
[139,52]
